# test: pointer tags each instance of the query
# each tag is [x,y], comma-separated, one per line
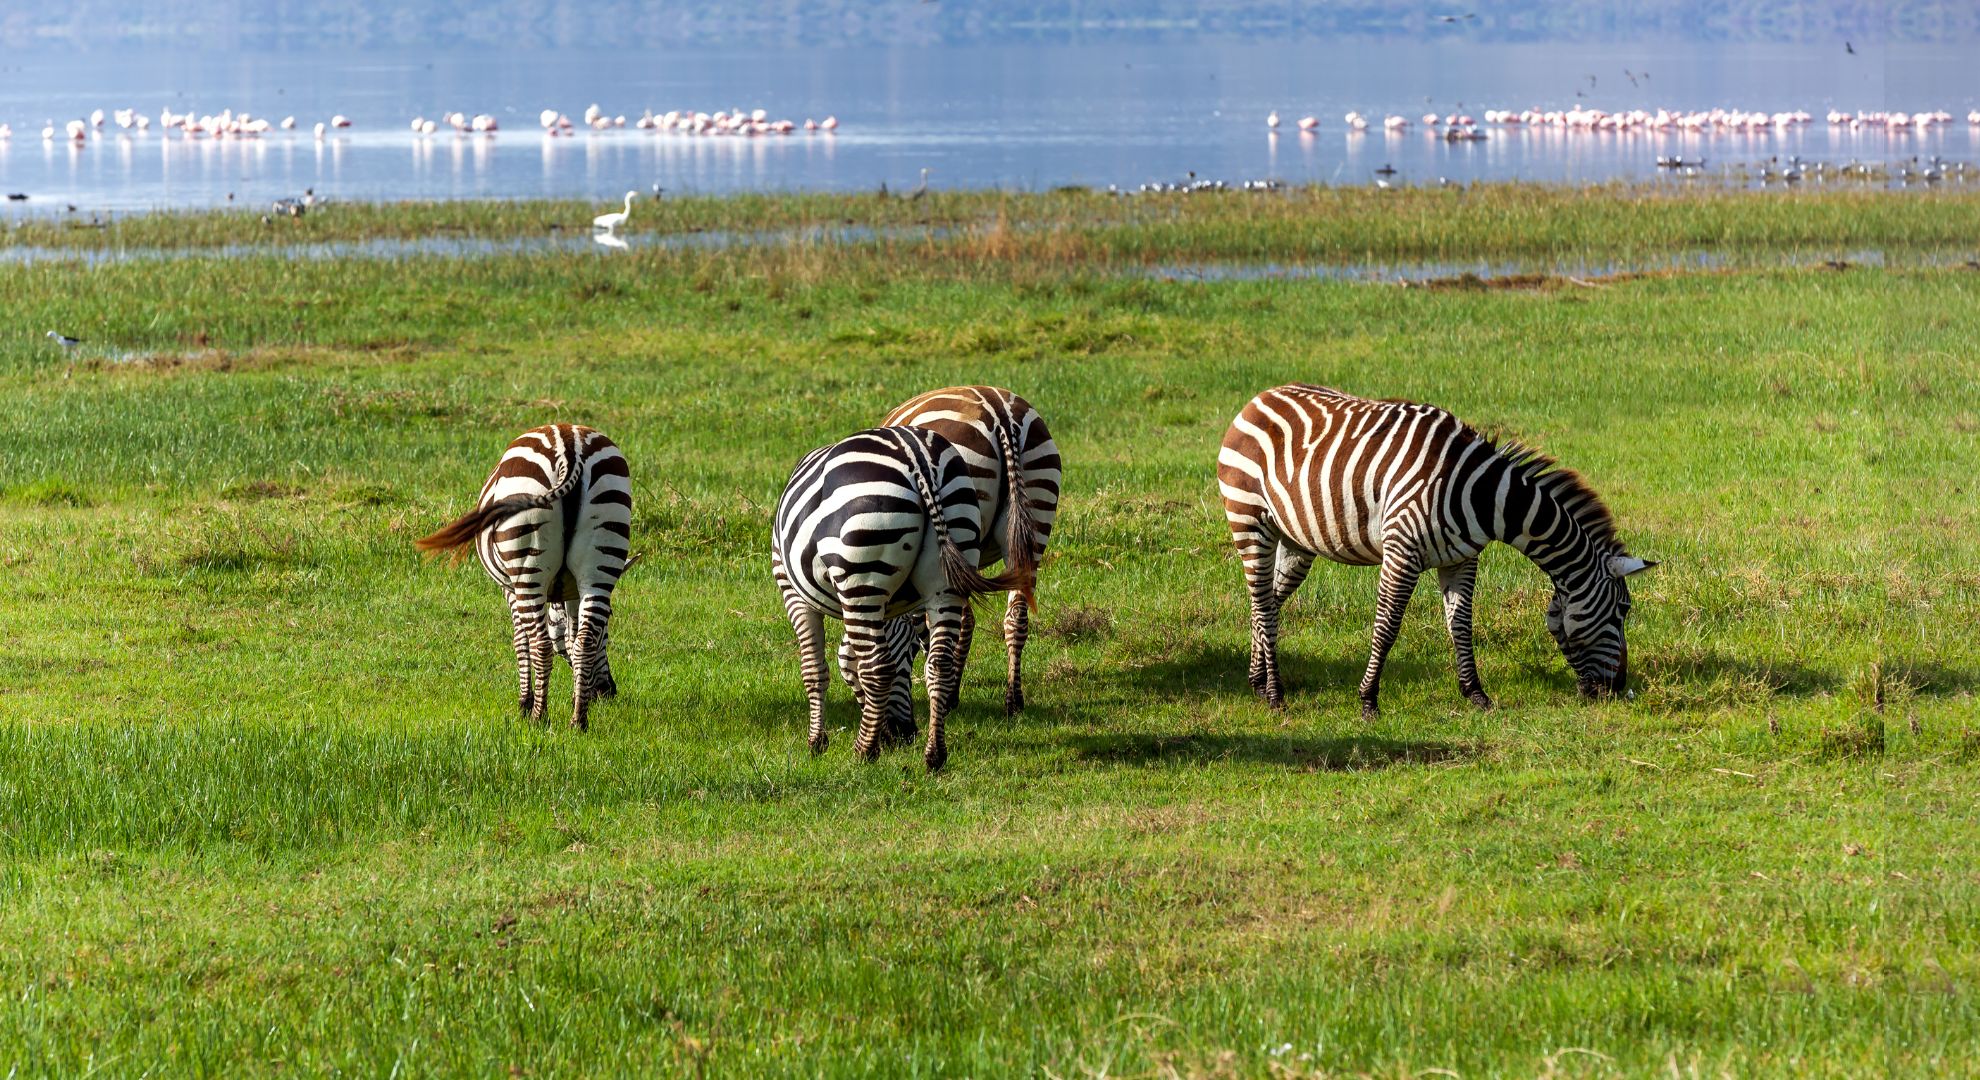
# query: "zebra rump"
[850,541]
[1014,467]
[557,569]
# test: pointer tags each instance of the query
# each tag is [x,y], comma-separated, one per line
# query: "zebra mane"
[1566,486]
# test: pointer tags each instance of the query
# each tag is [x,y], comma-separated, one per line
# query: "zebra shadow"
[1710,667]
[1354,753]
[1215,669]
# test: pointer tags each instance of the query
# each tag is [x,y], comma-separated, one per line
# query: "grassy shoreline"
[1325,224]
[265,808]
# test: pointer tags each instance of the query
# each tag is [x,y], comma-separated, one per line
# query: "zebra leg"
[580,645]
[1258,580]
[1457,583]
[540,656]
[848,667]
[562,620]
[945,618]
[587,645]
[963,636]
[810,628]
[1017,627]
[1399,574]
[602,683]
[904,637]
[1289,572]
[526,686]
[866,628]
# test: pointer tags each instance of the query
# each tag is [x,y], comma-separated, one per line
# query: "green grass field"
[265,807]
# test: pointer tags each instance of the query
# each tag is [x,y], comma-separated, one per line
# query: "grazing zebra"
[880,525]
[552,527]
[1014,466]
[1308,471]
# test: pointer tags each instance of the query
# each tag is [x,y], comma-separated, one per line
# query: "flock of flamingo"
[680,121]
[1457,126]
[228,123]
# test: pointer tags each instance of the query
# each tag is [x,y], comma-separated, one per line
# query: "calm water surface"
[976,116]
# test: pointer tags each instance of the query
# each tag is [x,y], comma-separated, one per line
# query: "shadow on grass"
[1936,680]
[1198,667]
[1712,667]
[1300,753]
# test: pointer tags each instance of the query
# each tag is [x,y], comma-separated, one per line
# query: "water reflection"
[979,116]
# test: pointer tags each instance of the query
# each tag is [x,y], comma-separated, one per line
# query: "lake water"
[1027,117]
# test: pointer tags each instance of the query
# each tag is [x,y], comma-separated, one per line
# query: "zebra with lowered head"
[1014,466]
[553,527]
[1308,471]
[881,525]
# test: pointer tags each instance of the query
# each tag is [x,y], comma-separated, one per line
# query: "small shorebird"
[68,345]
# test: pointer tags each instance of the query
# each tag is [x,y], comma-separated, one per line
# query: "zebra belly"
[1341,538]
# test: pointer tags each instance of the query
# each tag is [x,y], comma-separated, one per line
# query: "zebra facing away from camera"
[1014,466]
[1308,471]
[881,525]
[552,527]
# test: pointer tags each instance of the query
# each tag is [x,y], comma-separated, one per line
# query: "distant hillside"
[557,23]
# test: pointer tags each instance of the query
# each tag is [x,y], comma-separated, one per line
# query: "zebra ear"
[1625,565]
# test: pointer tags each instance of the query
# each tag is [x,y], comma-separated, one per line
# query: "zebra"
[553,527]
[1307,471]
[880,525]
[1014,466]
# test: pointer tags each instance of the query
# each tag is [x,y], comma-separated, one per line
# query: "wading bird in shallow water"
[609,222]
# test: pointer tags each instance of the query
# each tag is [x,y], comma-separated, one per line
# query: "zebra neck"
[1537,525]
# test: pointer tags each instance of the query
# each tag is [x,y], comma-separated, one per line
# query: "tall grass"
[265,807]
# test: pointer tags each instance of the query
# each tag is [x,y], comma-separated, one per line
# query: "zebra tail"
[961,576]
[970,581]
[1021,537]
[461,531]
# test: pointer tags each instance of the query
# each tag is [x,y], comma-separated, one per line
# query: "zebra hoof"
[936,758]
[818,742]
[1369,713]
[607,689]
[1013,701]
[867,752]
[1479,698]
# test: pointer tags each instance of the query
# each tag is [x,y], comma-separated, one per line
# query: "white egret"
[609,222]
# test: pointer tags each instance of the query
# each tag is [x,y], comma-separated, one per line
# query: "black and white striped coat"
[552,527]
[1014,466]
[880,525]
[1308,471]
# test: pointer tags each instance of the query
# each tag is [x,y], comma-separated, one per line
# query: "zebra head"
[1586,618]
